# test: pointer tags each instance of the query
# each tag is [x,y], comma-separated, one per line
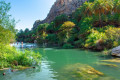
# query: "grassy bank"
[10,57]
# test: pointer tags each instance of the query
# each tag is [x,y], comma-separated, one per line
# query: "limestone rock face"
[61,7]
[36,23]
[116,51]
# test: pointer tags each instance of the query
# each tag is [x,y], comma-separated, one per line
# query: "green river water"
[55,60]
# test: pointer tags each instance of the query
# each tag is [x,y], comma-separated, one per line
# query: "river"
[54,60]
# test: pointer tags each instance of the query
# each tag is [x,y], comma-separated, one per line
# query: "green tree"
[7,25]
[5,18]
[65,30]
[102,7]
[60,20]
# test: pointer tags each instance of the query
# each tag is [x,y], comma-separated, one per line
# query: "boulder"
[116,51]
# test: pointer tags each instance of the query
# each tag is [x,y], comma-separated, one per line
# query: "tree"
[5,18]
[60,20]
[65,30]
[116,7]
[86,9]
[6,36]
[41,29]
[102,7]
[7,25]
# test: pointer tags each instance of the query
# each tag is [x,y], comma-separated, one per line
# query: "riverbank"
[10,57]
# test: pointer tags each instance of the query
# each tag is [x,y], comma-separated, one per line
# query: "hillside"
[94,25]
[60,7]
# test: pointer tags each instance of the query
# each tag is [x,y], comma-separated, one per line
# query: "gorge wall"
[60,7]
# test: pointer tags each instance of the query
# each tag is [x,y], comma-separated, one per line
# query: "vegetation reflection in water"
[66,64]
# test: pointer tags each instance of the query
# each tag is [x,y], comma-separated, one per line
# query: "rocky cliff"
[61,7]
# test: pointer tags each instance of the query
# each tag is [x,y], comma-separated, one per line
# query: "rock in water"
[79,72]
[60,7]
[3,74]
[116,51]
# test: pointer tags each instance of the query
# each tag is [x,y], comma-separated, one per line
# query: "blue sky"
[27,11]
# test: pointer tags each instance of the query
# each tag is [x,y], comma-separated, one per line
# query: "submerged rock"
[116,51]
[117,60]
[79,72]
[109,65]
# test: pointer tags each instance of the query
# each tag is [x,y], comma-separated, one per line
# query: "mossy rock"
[106,78]
[116,60]
[79,72]
[107,64]
[110,65]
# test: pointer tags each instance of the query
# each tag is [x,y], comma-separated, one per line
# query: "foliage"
[67,46]
[10,57]
[51,38]
[7,31]
[95,39]
[6,36]
[95,25]
[60,20]
[113,34]
[79,43]
[51,28]
[65,31]
[5,19]
[85,25]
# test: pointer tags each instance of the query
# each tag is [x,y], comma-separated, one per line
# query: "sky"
[28,11]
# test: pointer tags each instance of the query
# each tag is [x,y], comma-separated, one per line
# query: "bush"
[95,39]
[10,57]
[51,38]
[85,25]
[113,35]
[79,43]
[67,46]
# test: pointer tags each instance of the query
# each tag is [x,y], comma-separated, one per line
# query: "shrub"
[51,38]
[95,39]
[79,43]
[65,31]
[85,25]
[10,57]
[113,35]
[67,46]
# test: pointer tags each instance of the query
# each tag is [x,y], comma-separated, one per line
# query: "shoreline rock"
[116,51]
